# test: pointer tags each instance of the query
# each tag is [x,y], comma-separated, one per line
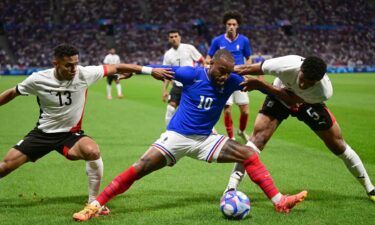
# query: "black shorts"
[175,94]
[111,78]
[316,116]
[37,144]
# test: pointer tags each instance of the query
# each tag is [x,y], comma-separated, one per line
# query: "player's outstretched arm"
[286,96]
[157,73]
[249,69]
[8,95]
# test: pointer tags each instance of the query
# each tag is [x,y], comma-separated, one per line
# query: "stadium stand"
[341,32]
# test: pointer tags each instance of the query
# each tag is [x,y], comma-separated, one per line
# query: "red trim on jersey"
[78,126]
[331,115]
[105,70]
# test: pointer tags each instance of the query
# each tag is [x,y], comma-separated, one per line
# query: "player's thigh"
[12,160]
[82,147]
[37,144]
[229,101]
[151,160]
[207,148]
[173,146]
[240,98]
[232,151]
[316,116]
[333,139]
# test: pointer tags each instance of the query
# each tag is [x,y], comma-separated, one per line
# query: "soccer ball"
[235,205]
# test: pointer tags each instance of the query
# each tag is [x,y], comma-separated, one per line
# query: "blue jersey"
[201,101]
[239,47]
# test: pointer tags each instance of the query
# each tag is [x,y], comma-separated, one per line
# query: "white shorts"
[239,98]
[174,146]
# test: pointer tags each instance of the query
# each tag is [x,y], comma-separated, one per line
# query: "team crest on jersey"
[238,47]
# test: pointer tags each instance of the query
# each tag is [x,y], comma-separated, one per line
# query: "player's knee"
[91,152]
[5,169]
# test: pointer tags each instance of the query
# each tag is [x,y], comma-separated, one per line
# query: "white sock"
[119,91]
[275,199]
[94,171]
[236,176]
[356,167]
[169,113]
[96,204]
[109,90]
[253,146]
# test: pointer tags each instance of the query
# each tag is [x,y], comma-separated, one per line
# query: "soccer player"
[180,54]
[300,89]
[61,94]
[239,46]
[189,134]
[113,58]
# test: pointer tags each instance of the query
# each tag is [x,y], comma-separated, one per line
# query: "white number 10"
[205,102]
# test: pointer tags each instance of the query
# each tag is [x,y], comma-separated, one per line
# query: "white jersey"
[111,59]
[286,70]
[184,55]
[61,103]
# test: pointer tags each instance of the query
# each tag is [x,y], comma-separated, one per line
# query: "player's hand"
[250,83]
[123,76]
[164,96]
[240,69]
[162,73]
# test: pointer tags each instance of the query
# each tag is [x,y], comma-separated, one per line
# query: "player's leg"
[32,147]
[173,102]
[242,100]
[258,173]
[119,89]
[109,87]
[228,121]
[171,109]
[335,142]
[266,123]
[12,160]
[152,160]
[323,123]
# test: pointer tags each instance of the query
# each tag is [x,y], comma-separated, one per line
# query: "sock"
[243,121]
[236,176]
[356,167]
[253,146]
[228,125]
[259,174]
[119,91]
[94,171]
[118,185]
[109,90]
[169,113]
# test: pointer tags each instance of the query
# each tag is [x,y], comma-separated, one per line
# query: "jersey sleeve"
[275,66]
[247,48]
[214,47]
[27,87]
[91,74]
[185,74]
[195,54]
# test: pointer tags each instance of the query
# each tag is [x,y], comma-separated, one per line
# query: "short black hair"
[174,31]
[233,14]
[63,50]
[223,53]
[313,68]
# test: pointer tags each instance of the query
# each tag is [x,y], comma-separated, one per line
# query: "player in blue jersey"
[239,46]
[205,92]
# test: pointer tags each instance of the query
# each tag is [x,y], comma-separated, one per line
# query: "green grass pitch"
[51,190]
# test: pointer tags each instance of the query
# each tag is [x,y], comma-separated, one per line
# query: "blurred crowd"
[340,31]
